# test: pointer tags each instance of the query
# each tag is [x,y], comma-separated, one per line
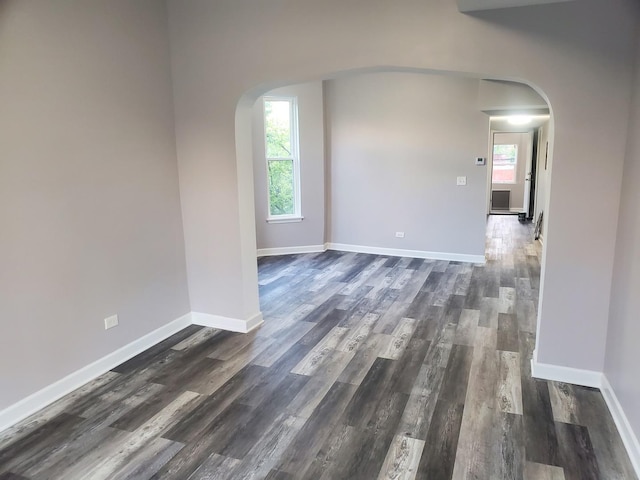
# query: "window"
[281,150]
[505,163]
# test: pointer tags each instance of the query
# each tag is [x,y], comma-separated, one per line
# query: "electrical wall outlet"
[461,181]
[110,322]
[399,234]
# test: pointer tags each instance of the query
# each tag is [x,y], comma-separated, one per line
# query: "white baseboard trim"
[586,378]
[40,399]
[396,252]
[629,437]
[227,323]
[393,252]
[268,252]
[49,394]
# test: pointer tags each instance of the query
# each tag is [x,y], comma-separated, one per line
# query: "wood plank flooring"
[367,367]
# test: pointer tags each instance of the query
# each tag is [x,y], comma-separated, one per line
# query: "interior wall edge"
[227,323]
[269,252]
[599,380]
[559,373]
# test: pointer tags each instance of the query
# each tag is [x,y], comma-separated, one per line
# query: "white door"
[528,173]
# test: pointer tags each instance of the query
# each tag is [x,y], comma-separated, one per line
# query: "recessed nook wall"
[308,233]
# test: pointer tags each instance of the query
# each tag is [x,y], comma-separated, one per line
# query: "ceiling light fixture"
[519,119]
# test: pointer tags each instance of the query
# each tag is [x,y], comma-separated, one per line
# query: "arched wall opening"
[542,46]
[245,160]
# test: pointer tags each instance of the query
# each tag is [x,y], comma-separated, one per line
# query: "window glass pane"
[505,158]
[277,117]
[281,189]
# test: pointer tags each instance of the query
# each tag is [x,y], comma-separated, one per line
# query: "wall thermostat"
[481,161]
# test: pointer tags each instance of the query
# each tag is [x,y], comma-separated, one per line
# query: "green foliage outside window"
[281,187]
[505,154]
[278,128]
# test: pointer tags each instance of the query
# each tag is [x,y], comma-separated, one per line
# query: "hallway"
[366,367]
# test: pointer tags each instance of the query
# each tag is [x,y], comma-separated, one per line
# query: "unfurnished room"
[287,239]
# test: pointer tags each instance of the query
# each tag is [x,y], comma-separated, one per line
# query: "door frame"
[528,165]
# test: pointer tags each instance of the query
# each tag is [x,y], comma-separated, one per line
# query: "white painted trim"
[267,252]
[285,219]
[545,371]
[227,323]
[40,399]
[396,252]
[629,437]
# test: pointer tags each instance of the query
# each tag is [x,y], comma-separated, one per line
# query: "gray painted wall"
[89,203]
[398,142]
[316,39]
[309,232]
[474,5]
[505,96]
[623,354]
[523,141]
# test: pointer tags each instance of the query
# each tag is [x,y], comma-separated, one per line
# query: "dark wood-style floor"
[367,367]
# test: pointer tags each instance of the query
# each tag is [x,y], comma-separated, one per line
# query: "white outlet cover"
[461,181]
[399,234]
[110,322]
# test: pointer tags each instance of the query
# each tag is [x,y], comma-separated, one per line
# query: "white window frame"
[295,158]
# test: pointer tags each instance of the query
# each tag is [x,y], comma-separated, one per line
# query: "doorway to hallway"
[514,179]
[511,172]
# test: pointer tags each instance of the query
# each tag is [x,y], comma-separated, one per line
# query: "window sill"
[285,219]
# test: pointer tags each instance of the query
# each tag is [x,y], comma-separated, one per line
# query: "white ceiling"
[476,5]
